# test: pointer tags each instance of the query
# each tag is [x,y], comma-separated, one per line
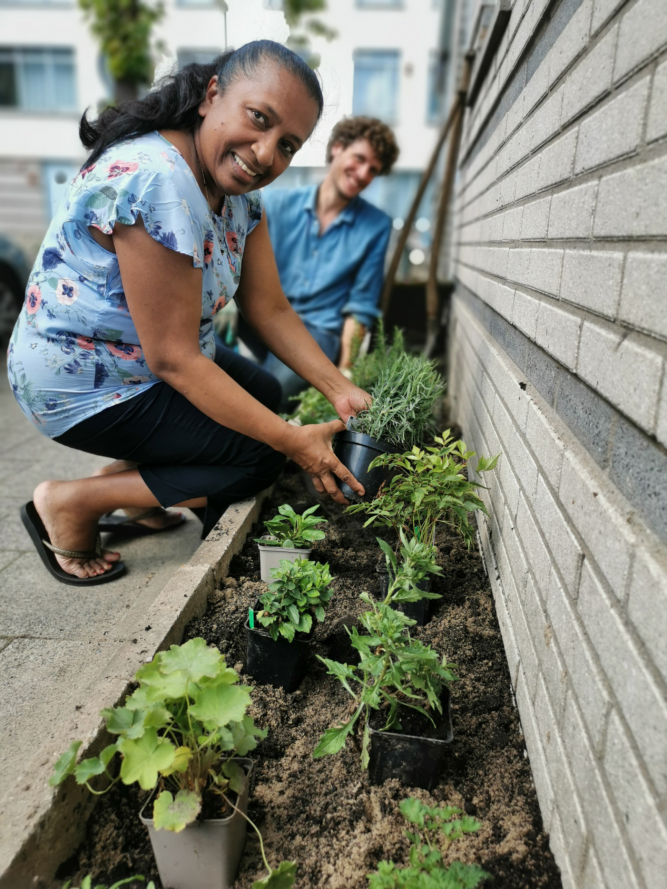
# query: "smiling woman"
[114,353]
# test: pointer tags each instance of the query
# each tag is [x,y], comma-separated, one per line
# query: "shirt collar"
[346,215]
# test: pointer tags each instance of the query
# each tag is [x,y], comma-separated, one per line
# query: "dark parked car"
[14,273]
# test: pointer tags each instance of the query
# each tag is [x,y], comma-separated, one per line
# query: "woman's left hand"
[351,401]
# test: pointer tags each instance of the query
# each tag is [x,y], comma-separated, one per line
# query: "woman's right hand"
[310,447]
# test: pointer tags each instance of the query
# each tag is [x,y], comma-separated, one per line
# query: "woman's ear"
[211,93]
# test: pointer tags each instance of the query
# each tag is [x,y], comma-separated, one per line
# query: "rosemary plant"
[366,369]
[403,399]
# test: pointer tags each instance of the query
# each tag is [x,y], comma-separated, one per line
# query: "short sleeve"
[254,205]
[120,190]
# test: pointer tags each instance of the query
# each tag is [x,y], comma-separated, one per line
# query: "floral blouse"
[75,350]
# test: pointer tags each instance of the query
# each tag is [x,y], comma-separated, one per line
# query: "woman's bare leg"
[158,522]
[70,512]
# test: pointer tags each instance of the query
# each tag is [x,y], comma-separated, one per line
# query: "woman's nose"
[264,151]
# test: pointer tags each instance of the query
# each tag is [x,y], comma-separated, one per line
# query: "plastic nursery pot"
[357,451]
[421,611]
[415,761]
[270,557]
[280,663]
[206,854]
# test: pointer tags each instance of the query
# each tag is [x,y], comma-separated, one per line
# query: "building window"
[379,4]
[273,4]
[37,79]
[208,3]
[437,75]
[197,56]
[375,90]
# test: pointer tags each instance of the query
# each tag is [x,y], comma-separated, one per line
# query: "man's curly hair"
[378,134]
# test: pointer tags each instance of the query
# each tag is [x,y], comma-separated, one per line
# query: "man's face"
[353,168]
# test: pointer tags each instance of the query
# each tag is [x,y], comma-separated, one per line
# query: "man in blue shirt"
[330,246]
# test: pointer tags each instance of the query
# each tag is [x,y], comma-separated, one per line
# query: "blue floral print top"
[75,350]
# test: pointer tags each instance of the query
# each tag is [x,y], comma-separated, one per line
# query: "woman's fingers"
[346,476]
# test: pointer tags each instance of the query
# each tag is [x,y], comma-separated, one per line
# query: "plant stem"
[255,828]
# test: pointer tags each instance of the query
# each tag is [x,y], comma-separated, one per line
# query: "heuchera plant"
[436,828]
[289,529]
[394,669]
[428,487]
[298,593]
[179,731]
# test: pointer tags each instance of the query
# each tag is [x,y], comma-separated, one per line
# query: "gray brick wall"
[558,352]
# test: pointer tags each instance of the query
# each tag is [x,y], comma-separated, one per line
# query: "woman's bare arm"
[163,292]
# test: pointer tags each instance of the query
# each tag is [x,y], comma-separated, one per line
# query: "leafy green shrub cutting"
[436,828]
[179,731]
[289,529]
[299,592]
[418,561]
[394,669]
[428,487]
[403,400]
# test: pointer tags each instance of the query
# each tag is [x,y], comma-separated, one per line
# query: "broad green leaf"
[333,739]
[180,763]
[88,768]
[65,764]
[195,658]
[236,775]
[133,723]
[144,758]
[174,814]
[282,877]
[288,631]
[217,707]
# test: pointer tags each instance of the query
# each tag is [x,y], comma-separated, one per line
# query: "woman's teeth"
[242,165]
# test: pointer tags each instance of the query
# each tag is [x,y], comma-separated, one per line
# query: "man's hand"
[310,448]
[351,401]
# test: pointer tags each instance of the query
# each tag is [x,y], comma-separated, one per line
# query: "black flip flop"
[129,525]
[47,552]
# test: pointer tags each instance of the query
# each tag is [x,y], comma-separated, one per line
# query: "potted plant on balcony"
[278,647]
[290,536]
[398,418]
[184,734]
[401,688]
[428,487]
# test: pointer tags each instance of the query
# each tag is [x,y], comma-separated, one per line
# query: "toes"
[109,557]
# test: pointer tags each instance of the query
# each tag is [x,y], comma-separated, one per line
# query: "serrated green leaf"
[217,707]
[282,877]
[333,740]
[236,775]
[144,758]
[65,765]
[180,763]
[175,814]
[195,659]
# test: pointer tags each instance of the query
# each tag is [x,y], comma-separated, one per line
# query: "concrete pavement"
[57,642]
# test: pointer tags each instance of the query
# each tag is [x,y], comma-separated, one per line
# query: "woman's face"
[250,133]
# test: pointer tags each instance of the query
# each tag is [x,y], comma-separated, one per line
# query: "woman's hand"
[351,401]
[310,448]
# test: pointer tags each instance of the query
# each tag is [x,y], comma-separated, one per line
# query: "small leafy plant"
[404,396]
[418,561]
[179,731]
[313,408]
[298,593]
[436,828]
[87,883]
[428,487]
[289,529]
[394,669]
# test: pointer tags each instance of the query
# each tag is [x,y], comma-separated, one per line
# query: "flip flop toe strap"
[77,554]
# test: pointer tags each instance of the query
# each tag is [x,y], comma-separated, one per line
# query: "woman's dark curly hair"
[379,135]
[174,105]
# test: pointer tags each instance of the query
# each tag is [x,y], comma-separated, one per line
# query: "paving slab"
[67,652]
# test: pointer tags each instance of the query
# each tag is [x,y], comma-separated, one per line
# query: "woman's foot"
[158,522]
[65,511]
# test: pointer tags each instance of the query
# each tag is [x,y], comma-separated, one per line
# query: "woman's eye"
[259,117]
[288,149]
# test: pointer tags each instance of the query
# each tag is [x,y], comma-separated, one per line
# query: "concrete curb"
[51,822]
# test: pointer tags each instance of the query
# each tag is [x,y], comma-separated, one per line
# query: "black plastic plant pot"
[280,663]
[421,611]
[415,761]
[357,451]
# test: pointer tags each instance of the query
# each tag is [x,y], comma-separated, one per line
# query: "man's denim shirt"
[337,274]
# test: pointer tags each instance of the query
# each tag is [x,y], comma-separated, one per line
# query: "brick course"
[557,360]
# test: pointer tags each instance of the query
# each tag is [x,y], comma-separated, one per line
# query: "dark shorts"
[182,453]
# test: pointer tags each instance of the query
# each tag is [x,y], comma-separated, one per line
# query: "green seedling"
[428,487]
[87,883]
[435,828]
[418,560]
[313,408]
[404,396]
[394,669]
[291,530]
[180,731]
[299,592]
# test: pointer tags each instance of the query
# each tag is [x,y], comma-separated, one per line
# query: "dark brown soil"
[323,813]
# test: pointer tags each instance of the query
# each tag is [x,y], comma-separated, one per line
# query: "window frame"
[361,52]
[17,56]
